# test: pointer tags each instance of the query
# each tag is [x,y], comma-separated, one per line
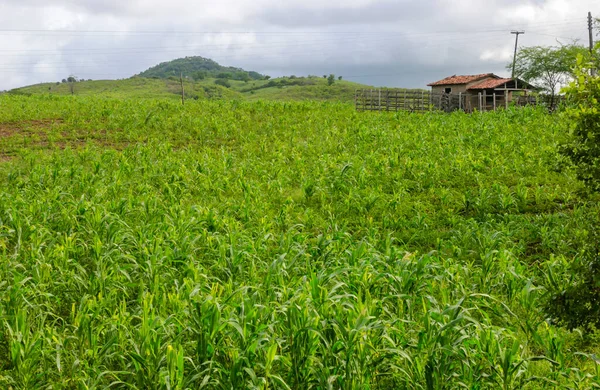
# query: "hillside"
[198,68]
[204,79]
[285,88]
[135,87]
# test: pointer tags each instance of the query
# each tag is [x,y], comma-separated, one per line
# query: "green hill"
[285,88]
[135,87]
[199,68]
[205,79]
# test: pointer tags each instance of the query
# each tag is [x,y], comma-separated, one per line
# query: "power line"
[283,54]
[227,46]
[355,36]
[88,63]
[216,32]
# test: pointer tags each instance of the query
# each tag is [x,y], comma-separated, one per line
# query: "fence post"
[460,100]
[479,95]
[379,99]
[506,99]
[494,101]
[430,99]
[484,100]
[387,100]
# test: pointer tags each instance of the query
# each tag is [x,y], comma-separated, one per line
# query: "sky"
[394,43]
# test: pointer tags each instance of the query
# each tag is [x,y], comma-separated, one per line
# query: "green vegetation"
[578,305]
[229,244]
[548,67]
[198,68]
[204,79]
[135,87]
[284,88]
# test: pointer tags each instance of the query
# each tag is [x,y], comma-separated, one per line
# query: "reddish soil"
[8,129]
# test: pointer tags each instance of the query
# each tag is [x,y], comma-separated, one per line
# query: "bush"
[223,82]
[255,75]
[331,79]
[583,94]
[200,75]
[241,76]
[578,303]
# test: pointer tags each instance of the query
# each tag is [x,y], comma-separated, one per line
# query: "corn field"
[235,245]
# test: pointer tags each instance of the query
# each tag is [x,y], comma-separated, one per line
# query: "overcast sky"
[379,42]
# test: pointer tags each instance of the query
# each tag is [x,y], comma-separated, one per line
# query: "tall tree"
[548,67]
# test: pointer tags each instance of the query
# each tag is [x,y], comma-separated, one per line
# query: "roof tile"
[489,84]
[453,80]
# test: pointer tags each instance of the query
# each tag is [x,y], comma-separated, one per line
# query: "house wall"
[456,88]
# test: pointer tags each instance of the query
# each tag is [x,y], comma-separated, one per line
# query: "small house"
[483,91]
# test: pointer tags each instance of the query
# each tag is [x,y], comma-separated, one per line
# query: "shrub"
[200,75]
[331,79]
[578,303]
[584,148]
[223,82]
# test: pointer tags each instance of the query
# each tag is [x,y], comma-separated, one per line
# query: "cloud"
[492,55]
[371,13]
[379,42]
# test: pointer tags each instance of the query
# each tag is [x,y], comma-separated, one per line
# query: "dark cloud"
[379,42]
[373,14]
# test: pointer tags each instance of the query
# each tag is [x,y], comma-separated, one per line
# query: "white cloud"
[382,42]
[500,54]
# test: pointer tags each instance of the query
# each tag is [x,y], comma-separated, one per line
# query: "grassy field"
[272,245]
[135,88]
[282,89]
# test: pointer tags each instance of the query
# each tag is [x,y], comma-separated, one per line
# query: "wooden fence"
[419,101]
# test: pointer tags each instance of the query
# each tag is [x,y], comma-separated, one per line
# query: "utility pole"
[591,30]
[516,45]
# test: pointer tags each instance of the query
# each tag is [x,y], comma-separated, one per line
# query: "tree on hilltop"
[331,79]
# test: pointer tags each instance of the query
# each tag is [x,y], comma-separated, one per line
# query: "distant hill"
[199,68]
[205,79]
[135,87]
[284,88]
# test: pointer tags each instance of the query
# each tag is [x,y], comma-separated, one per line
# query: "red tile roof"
[489,84]
[453,80]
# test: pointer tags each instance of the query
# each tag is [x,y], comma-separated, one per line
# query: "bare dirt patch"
[42,134]
[29,127]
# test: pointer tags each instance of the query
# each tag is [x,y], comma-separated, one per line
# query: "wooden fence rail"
[419,101]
